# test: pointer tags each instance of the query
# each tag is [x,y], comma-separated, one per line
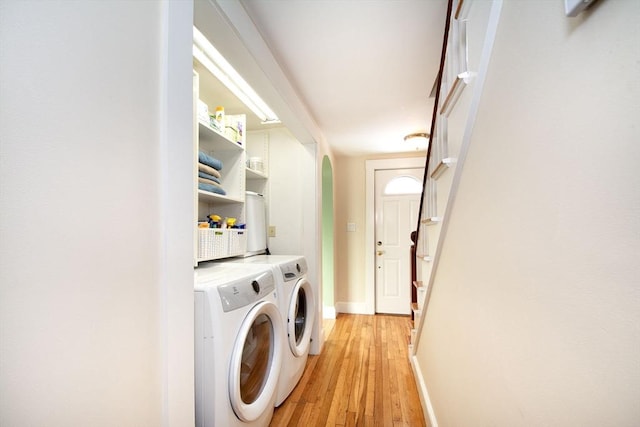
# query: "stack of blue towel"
[209,174]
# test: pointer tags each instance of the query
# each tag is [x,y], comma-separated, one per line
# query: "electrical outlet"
[272,231]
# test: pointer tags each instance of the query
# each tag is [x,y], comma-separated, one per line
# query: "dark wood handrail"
[434,116]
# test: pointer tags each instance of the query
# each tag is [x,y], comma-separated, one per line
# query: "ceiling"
[363,68]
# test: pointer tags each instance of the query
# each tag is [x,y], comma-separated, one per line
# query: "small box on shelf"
[234,128]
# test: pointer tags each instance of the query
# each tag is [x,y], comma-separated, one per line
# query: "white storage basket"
[237,241]
[213,243]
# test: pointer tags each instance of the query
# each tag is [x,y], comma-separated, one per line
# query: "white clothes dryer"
[238,346]
[296,299]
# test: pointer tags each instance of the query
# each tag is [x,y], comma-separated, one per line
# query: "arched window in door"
[404,184]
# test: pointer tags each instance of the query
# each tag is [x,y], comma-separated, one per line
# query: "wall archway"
[328,299]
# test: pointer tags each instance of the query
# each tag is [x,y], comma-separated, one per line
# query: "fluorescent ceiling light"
[213,61]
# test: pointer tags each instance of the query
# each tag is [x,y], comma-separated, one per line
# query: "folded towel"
[209,177]
[210,161]
[211,188]
[208,181]
[208,169]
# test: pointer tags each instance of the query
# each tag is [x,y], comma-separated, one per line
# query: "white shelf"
[218,198]
[215,140]
[255,174]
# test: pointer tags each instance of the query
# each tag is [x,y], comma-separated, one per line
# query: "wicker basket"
[213,243]
[237,241]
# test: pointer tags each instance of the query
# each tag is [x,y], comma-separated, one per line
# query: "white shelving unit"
[233,150]
[216,243]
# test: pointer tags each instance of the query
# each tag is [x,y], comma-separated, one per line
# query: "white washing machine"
[238,346]
[297,305]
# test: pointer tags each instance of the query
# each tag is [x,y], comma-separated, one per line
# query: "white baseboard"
[328,312]
[351,307]
[427,408]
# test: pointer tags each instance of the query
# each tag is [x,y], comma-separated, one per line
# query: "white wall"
[294,209]
[95,254]
[286,187]
[534,314]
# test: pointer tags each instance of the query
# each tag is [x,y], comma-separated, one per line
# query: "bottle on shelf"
[218,119]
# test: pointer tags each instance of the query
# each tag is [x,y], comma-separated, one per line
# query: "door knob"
[379,252]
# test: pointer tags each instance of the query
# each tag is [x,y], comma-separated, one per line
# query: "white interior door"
[397,200]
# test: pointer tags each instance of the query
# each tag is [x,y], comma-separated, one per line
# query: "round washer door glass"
[300,318]
[255,362]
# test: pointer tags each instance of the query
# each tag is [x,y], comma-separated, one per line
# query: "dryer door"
[255,362]
[300,318]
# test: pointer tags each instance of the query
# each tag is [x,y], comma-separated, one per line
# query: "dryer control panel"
[242,292]
[294,269]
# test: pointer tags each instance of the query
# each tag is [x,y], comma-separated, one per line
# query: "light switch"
[351,227]
[271,231]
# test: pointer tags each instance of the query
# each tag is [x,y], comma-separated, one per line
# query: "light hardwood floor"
[362,378]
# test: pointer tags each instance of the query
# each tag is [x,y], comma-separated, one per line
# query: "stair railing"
[453,76]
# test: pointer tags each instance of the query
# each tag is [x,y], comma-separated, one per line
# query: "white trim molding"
[427,407]
[351,307]
[328,312]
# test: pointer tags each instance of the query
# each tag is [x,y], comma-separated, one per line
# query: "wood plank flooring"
[362,378]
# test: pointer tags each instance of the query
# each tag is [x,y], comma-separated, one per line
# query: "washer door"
[300,318]
[255,362]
